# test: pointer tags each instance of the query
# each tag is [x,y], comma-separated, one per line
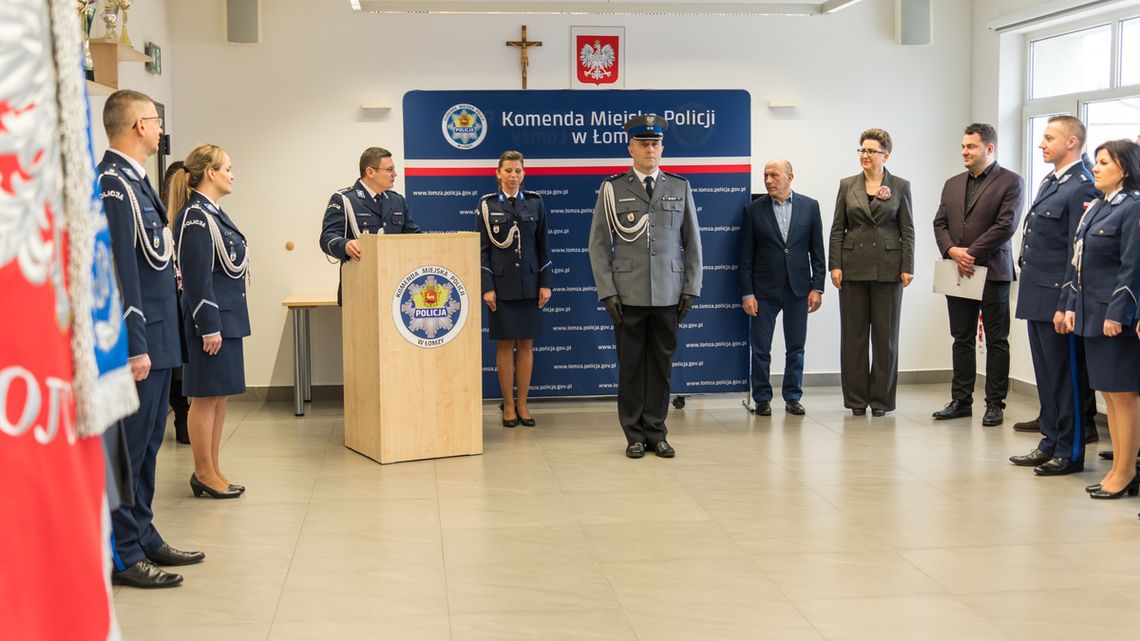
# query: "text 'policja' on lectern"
[412,341]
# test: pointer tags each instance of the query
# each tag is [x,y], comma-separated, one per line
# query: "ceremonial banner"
[572,140]
[63,375]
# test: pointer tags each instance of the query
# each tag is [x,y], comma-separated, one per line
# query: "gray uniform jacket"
[646,252]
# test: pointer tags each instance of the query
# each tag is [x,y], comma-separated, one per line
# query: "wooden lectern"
[412,340]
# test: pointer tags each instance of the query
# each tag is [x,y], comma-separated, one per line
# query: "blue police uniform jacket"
[388,211]
[1101,279]
[137,221]
[1047,240]
[517,271]
[213,297]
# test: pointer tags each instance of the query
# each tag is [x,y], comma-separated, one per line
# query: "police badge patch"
[429,306]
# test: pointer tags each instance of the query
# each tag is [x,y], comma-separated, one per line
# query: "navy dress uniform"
[1058,360]
[214,259]
[515,258]
[355,211]
[142,249]
[645,249]
[1099,286]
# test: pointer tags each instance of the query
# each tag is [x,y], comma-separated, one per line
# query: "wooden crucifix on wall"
[523,45]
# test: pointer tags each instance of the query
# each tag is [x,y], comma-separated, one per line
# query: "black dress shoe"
[954,409]
[1057,466]
[237,488]
[181,433]
[1034,458]
[145,574]
[993,416]
[1092,488]
[664,450]
[1091,435]
[878,412]
[794,407]
[635,450]
[763,408]
[529,422]
[1104,455]
[858,411]
[167,555]
[199,488]
[511,423]
[1132,489]
[1028,426]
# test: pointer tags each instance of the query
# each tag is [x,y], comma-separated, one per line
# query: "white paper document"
[948,282]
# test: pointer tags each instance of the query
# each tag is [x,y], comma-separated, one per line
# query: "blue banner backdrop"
[572,140]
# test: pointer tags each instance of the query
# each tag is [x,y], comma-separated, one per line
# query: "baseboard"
[822,379]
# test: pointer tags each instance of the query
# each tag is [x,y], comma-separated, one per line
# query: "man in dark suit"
[142,247]
[975,221]
[1046,250]
[781,270]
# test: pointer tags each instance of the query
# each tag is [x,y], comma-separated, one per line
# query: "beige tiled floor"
[784,528]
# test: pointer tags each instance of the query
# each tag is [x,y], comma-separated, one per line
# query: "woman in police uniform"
[516,279]
[214,260]
[1100,305]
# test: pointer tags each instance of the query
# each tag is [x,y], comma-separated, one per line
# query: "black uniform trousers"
[994,308]
[135,535]
[1062,389]
[870,314]
[646,341]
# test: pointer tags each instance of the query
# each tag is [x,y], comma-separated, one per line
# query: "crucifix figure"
[523,45]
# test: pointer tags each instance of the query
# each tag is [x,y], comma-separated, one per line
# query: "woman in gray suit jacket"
[871,259]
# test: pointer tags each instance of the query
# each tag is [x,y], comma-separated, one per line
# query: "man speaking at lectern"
[368,207]
[645,252]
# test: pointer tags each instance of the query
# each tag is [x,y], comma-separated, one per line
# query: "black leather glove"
[684,306]
[613,308]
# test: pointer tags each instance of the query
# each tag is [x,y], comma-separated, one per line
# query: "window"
[1130,52]
[1089,69]
[1071,62]
[1112,120]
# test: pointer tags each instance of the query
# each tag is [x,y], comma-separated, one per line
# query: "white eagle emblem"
[597,59]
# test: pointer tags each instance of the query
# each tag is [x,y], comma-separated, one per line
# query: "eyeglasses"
[388,170]
[870,152]
[158,118]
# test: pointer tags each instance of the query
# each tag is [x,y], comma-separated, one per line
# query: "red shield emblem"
[598,58]
[431,296]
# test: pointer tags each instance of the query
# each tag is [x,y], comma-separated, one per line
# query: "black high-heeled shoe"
[201,488]
[1132,489]
[240,489]
[1092,488]
[511,423]
[529,422]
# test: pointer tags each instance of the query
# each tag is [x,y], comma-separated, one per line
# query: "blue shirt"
[783,215]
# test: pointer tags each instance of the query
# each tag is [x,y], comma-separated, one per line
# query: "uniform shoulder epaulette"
[669,173]
[493,194]
[532,194]
[346,190]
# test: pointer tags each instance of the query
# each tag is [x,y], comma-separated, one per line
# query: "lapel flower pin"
[884,193]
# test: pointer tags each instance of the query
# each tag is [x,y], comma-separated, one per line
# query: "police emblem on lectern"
[429,306]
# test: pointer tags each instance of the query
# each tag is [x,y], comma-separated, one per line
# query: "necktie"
[649,186]
[512,201]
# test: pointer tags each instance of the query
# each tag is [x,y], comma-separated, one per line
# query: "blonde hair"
[191,174]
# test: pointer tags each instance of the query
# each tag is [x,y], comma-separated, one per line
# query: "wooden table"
[299,305]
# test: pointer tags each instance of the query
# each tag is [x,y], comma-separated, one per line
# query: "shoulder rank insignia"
[1064,179]
[210,208]
[1118,199]
[130,174]
[360,193]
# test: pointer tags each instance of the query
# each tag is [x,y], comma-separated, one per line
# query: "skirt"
[1114,363]
[516,320]
[220,375]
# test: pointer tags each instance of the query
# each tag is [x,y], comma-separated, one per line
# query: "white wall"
[147,23]
[287,110]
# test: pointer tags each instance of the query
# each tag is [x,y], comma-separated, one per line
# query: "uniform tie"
[649,186]
[512,201]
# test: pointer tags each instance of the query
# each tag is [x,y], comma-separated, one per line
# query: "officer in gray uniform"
[645,252]
[370,206]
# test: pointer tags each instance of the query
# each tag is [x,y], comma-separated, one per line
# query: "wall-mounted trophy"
[111,19]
